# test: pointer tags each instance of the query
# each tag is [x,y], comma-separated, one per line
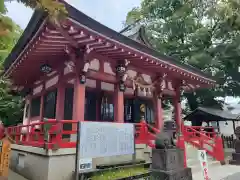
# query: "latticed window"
[107,108]
[68,103]
[90,106]
[50,99]
[35,107]
[149,115]
[129,110]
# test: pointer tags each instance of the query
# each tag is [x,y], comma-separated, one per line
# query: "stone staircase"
[192,157]
[193,162]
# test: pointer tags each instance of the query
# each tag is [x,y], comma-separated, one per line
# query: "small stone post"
[168,160]
[236,155]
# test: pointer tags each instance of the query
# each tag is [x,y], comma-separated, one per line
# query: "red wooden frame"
[29,135]
[33,134]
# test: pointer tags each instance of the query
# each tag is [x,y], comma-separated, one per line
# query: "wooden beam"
[65,34]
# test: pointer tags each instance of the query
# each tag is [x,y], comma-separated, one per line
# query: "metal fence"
[228,141]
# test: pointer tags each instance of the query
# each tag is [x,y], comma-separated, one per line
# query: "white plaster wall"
[227,129]
[25,116]
[40,164]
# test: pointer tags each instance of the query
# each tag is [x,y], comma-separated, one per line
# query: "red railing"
[52,134]
[201,137]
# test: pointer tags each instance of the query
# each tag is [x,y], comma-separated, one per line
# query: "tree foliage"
[54,8]
[202,33]
[10,103]
[11,106]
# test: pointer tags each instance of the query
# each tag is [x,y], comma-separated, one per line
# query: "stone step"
[194,163]
[192,152]
[196,166]
[120,164]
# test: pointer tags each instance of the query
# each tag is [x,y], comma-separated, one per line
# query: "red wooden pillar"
[79,100]
[178,119]
[60,102]
[178,110]
[158,111]
[118,105]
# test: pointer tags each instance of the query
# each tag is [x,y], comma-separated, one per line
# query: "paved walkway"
[15,176]
[233,177]
[226,172]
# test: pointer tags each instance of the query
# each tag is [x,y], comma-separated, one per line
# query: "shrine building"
[85,71]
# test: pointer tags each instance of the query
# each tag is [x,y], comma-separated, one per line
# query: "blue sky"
[111,13]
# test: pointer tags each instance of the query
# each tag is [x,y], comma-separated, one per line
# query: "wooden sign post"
[5,157]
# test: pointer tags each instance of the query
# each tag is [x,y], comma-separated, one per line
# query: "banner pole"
[134,144]
[77,152]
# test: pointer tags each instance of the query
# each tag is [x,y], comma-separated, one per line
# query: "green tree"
[11,106]
[54,8]
[202,33]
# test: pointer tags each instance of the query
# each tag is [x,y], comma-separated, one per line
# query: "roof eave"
[39,16]
[34,24]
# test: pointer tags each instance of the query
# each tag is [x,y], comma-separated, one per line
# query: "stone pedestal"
[235,159]
[168,164]
[236,155]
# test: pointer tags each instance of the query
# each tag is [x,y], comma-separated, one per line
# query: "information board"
[102,139]
[202,156]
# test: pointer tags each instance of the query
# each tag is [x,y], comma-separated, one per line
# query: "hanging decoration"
[147,89]
[183,83]
[121,73]
[70,65]
[84,72]
[45,68]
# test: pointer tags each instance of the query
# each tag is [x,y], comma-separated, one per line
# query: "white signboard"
[202,156]
[102,139]
[85,164]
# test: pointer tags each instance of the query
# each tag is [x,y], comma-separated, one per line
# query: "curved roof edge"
[39,17]
[222,114]
[32,27]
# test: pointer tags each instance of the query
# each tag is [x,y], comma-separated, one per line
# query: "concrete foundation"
[38,164]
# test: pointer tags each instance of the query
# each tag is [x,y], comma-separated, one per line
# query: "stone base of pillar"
[181,144]
[185,173]
[236,155]
[168,164]
[235,159]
